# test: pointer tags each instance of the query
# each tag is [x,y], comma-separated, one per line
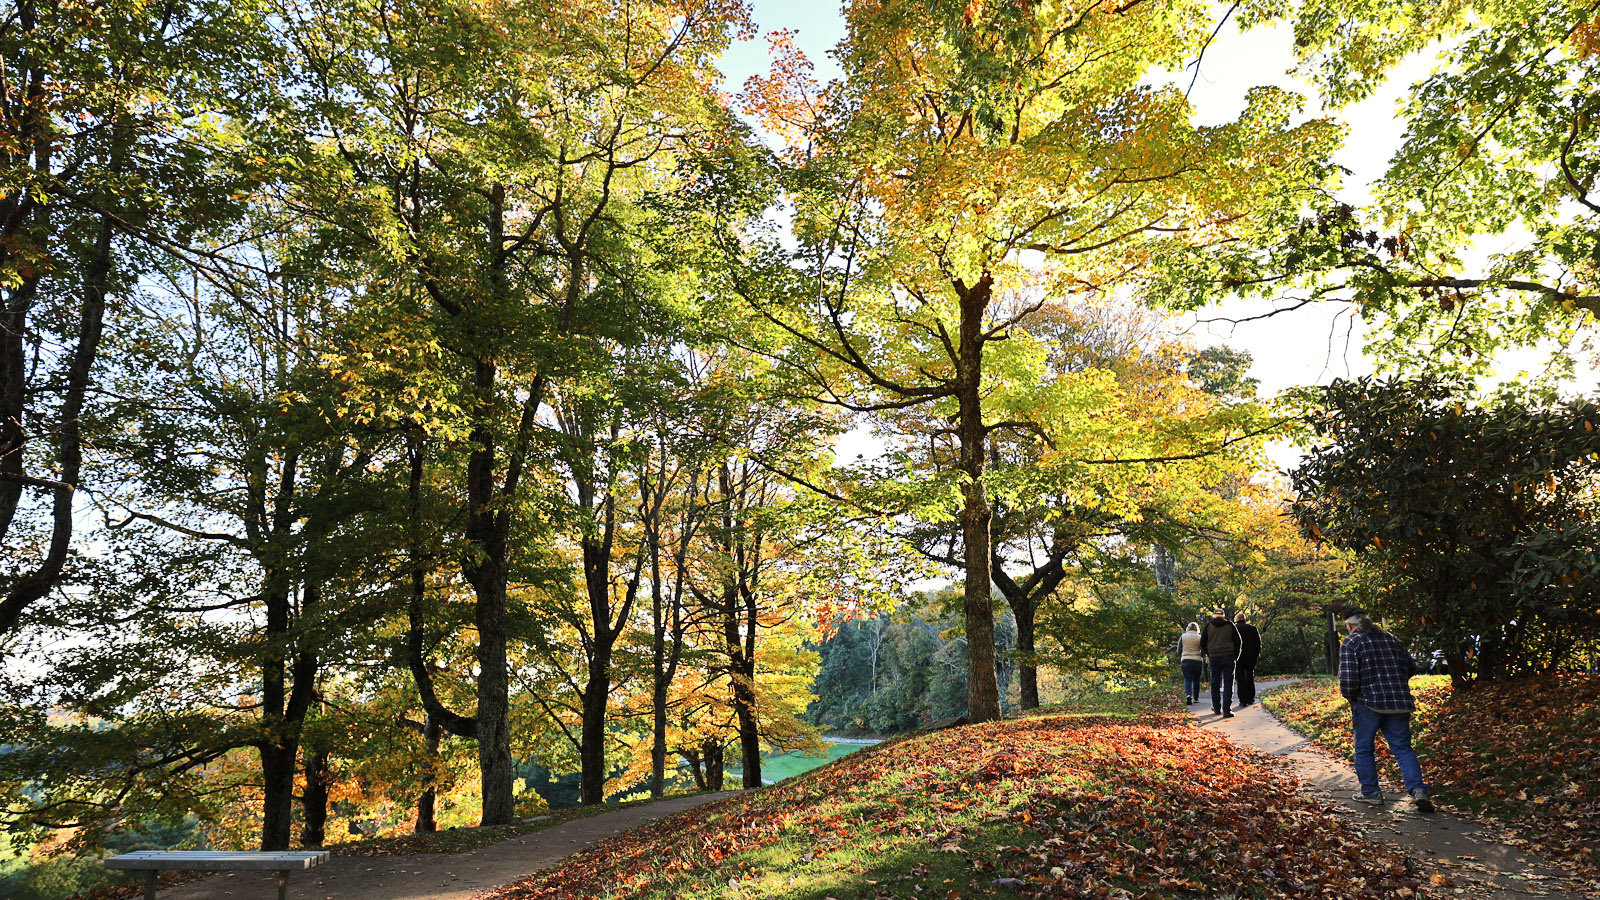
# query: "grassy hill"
[1124,800]
[1524,753]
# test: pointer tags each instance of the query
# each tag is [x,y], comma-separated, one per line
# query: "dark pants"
[1245,677]
[1191,677]
[1221,684]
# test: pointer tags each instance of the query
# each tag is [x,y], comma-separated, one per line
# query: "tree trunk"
[277,780]
[658,668]
[744,704]
[1027,665]
[284,709]
[592,750]
[280,744]
[494,708]
[983,691]
[484,566]
[693,756]
[314,800]
[426,823]
[712,751]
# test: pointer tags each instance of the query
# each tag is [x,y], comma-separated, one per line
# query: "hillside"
[1126,801]
[1522,753]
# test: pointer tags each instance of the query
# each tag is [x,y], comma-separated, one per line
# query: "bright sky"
[1312,345]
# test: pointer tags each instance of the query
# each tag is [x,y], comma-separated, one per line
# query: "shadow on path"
[1462,857]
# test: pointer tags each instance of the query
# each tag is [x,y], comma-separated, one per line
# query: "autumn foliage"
[1522,753]
[1051,805]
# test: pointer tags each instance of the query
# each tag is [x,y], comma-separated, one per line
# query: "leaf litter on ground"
[1524,754]
[1055,804]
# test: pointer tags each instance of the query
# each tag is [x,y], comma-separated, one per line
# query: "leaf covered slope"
[1522,752]
[1137,804]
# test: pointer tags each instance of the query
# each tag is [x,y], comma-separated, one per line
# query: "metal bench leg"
[283,884]
[150,884]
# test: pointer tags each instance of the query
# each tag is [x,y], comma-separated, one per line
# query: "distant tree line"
[899,671]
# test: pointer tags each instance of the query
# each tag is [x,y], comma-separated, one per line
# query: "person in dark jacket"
[1244,669]
[1221,642]
[1375,672]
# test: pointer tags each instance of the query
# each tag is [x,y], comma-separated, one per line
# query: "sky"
[1312,345]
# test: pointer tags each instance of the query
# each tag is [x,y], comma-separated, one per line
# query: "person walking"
[1374,675]
[1244,669]
[1191,659]
[1220,640]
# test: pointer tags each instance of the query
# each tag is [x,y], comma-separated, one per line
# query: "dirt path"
[1469,858]
[435,876]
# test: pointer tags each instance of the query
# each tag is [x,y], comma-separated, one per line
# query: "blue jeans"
[1396,728]
[1191,677]
[1221,683]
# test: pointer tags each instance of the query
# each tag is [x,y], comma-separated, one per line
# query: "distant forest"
[899,671]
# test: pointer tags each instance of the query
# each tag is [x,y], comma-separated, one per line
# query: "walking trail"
[435,876]
[1452,853]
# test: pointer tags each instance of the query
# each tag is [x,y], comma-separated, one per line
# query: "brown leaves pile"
[1048,806]
[1525,753]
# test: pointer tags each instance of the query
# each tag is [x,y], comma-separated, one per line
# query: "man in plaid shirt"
[1374,675]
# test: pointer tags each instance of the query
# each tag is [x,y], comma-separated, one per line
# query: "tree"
[108,150]
[748,571]
[1147,454]
[965,137]
[483,162]
[225,450]
[1481,517]
[1502,139]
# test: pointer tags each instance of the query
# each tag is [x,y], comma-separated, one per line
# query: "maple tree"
[1502,140]
[493,191]
[964,137]
[1143,456]
[108,126]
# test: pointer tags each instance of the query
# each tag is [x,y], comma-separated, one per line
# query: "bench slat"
[217,860]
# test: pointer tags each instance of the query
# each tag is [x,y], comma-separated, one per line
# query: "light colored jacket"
[1189,646]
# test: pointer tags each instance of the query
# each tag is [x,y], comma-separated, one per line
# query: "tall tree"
[979,161]
[481,158]
[109,152]
[753,541]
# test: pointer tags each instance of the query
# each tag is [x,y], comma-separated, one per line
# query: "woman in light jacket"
[1191,658]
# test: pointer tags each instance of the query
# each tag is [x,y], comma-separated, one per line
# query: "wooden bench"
[151,862]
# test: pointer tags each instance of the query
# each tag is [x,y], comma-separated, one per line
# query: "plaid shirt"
[1375,670]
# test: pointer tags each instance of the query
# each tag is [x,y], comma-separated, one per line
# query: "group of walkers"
[1231,650]
[1375,671]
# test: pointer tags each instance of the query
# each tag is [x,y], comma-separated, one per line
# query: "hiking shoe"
[1369,799]
[1420,798]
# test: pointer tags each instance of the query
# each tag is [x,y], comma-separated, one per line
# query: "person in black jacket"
[1221,642]
[1244,669]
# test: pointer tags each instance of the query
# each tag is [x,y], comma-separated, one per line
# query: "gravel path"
[435,876]
[1459,857]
